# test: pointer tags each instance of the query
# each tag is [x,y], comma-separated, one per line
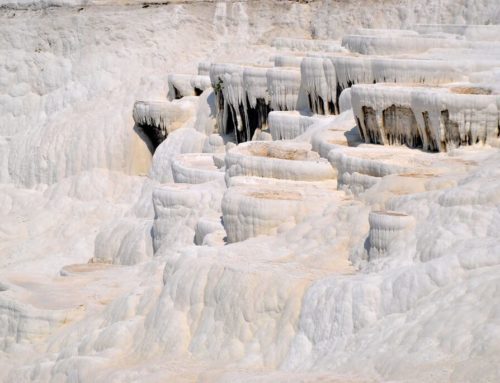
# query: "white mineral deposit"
[249,191]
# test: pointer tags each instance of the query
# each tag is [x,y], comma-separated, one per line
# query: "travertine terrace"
[245,191]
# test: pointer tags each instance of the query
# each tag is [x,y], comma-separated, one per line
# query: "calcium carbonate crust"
[316,207]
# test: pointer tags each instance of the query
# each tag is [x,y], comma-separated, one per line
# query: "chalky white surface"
[335,292]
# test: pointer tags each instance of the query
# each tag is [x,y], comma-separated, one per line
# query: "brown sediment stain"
[276,195]
[265,150]
[471,90]
[400,126]
[86,267]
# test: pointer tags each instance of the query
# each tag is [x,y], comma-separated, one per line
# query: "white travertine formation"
[432,118]
[345,100]
[288,125]
[157,119]
[254,181]
[332,132]
[259,135]
[254,290]
[206,114]
[23,323]
[178,208]
[368,70]
[207,226]
[255,85]
[363,166]
[277,159]
[385,228]
[4,160]
[242,99]
[360,168]
[390,44]
[319,81]
[288,61]
[219,74]
[263,208]
[204,68]
[179,85]
[195,168]
[327,139]
[125,242]
[110,271]
[232,89]
[184,140]
[304,45]
[256,102]
[377,161]
[215,238]
[164,114]
[385,32]
[283,85]
[214,143]
[200,84]
[470,32]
